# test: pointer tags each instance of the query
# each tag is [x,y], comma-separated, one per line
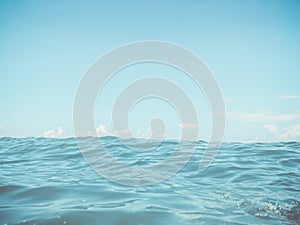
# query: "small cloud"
[272,128]
[142,134]
[290,96]
[123,133]
[292,131]
[53,133]
[102,131]
[60,131]
[284,136]
[188,126]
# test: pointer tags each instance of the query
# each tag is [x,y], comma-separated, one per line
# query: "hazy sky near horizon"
[252,48]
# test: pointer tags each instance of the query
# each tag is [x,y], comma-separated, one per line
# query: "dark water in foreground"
[47,181]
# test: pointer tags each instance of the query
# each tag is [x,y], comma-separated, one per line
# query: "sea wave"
[48,181]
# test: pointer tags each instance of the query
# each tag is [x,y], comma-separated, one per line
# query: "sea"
[48,181]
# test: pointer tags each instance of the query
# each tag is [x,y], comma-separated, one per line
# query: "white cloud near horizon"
[123,133]
[292,131]
[102,131]
[188,126]
[272,128]
[53,133]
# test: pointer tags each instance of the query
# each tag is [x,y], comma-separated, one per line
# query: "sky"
[251,47]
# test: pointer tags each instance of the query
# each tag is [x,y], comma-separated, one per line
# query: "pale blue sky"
[252,47]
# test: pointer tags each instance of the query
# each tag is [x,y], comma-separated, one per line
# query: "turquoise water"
[47,181]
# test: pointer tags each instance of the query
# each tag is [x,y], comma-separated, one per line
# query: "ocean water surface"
[47,181]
